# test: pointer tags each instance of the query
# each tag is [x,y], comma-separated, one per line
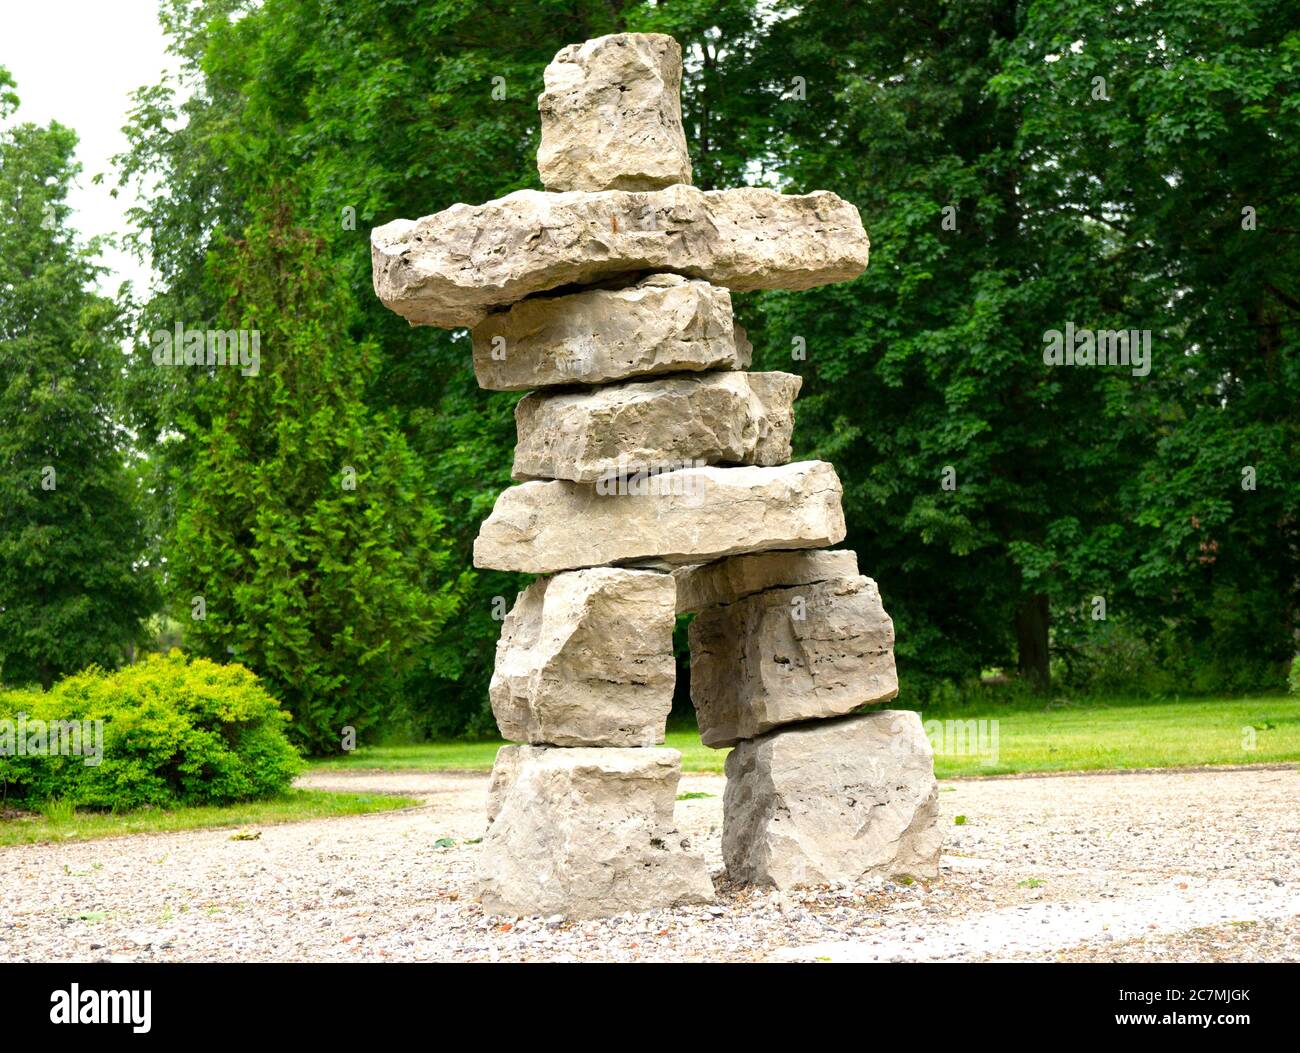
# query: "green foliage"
[73,585]
[305,526]
[1071,483]
[175,732]
[1193,168]
[1117,213]
[62,824]
[1122,659]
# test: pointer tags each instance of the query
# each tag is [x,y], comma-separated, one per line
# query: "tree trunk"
[1031,638]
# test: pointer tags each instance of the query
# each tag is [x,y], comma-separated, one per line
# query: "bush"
[175,732]
[1123,659]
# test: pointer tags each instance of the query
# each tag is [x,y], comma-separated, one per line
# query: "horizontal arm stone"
[451,268]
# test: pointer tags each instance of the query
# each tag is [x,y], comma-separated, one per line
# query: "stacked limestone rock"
[655,481]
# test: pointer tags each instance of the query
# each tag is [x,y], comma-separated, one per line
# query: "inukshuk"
[655,480]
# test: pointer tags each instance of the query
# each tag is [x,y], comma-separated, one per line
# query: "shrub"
[1119,658]
[175,732]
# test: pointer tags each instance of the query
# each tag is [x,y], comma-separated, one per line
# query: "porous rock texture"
[451,268]
[786,655]
[612,117]
[662,324]
[585,658]
[687,516]
[734,418]
[586,833]
[836,800]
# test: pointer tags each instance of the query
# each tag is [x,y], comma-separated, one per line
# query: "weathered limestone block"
[728,580]
[736,418]
[833,801]
[451,268]
[786,655]
[687,516]
[586,833]
[612,115]
[586,659]
[662,324]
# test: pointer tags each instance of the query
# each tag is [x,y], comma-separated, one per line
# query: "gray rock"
[586,833]
[687,516]
[787,655]
[612,116]
[662,324]
[451,268]
[586,659]
[728,580]
[736,418]
[838,800]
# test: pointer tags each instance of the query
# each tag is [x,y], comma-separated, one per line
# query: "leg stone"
[837,800]
[728,580]
[586,833]
[790,654]
[586,659]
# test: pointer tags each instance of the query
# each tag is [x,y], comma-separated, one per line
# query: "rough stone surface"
[833,801]
[786,655]
[586,833]
[586,659]
[662,324]
[736,418]
[451,268]
[728,580]
[687,516]
[612,116]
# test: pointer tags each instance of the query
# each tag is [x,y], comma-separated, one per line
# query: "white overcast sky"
[75,61]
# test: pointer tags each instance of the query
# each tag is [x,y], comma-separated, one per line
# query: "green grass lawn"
[62,824]
[1030,737]
[1120,735]
[478,756]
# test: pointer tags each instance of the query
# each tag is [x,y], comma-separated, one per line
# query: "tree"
[1174,127]
[73,590]
[1020,167]
[306,546]
[958,445]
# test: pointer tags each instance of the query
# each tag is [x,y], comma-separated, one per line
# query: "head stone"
[612,115]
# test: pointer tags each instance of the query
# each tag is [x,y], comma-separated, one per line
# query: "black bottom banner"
[217,1001]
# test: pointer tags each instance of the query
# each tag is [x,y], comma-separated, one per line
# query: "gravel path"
[1190,866]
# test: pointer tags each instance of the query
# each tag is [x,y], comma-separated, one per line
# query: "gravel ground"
[1189,866]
